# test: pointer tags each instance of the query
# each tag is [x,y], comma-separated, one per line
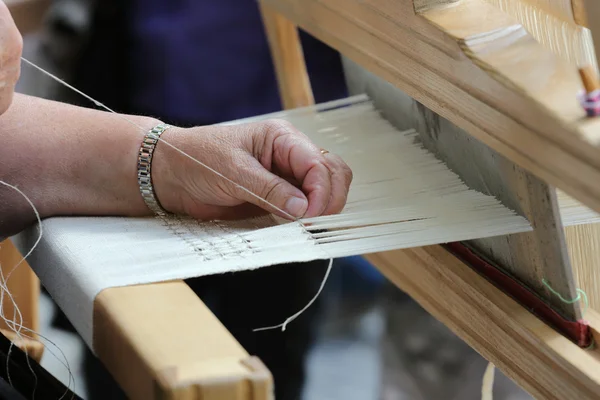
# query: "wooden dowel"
[589,77]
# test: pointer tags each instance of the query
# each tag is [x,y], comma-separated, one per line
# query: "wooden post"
[288,59]
[160,341]
[24,287]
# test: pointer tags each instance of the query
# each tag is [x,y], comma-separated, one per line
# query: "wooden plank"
[583,242]
[543,362]
[288,58]
[530,257]
[161,342]
[28,14]
[24,287]
[511,117]
[592,12]
[579,13]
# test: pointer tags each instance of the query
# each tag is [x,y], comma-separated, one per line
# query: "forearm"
[68,161]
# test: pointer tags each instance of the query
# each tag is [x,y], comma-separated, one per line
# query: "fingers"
[11,47]
[324,179]
[275,190]
[341,178]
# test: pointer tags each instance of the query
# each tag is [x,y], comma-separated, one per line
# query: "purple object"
[201,61]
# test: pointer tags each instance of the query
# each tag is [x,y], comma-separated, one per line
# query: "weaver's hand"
[271,159]
[11,46]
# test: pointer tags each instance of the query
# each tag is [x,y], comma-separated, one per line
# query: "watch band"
[145,169]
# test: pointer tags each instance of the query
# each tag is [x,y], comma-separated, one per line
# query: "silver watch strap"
[145,169]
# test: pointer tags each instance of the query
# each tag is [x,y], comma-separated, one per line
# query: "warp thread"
[487,386]
[297,220]
[17,327]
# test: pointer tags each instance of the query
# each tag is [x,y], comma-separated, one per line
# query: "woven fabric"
[401,197]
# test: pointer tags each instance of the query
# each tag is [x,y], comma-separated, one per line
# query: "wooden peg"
[590,78]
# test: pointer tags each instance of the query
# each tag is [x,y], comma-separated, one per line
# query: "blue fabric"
[206,61]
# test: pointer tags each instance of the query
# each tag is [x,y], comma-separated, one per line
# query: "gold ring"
[323,151]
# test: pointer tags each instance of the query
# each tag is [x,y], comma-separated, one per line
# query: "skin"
[11,46]
[77,161]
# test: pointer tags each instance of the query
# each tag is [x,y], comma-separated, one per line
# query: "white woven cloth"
[401,197]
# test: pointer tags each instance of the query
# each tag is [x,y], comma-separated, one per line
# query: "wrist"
[102,175]
[165,180]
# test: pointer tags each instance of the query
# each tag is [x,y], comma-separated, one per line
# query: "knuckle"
[271,188]
[17,43]
[278,127]
[348,174]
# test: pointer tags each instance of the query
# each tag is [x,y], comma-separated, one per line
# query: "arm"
[68,161]
[77,161]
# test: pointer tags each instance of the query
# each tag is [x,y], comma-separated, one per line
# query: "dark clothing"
[200,62]
[193,61]
[28,379]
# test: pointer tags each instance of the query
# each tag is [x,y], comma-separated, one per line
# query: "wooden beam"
[526,111]
[583,242]
[539,359]
[24,287]
[288,59]
[530,257]
[160,341]
[579,13]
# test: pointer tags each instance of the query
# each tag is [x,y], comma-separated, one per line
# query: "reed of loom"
[499,105]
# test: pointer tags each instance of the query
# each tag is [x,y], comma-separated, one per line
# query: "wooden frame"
[134,331]
[536,357]
[391,39]
[434,56]
[522,119]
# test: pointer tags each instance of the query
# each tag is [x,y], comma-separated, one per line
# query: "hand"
[11,47]
[271,159]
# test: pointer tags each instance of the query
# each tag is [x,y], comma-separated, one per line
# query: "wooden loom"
[505,103]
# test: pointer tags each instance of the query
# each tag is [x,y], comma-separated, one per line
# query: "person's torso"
[195,62]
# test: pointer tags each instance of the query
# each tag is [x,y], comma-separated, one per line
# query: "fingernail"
[296,206]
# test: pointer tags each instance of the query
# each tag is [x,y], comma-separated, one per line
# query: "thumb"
[273,190]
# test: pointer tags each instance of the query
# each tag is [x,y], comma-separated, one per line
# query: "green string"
[580,295]
[592,345]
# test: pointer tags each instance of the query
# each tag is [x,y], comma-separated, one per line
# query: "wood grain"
[592,12]
[161,342]
[286,51]
[579,12]
[534,122]
[540,360]
[23,285]
[33,348]
[530,257]
[583,242]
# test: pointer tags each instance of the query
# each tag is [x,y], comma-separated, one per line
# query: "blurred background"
[201,62]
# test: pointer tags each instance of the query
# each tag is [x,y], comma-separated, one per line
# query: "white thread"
[15,326]
[293,317]
[487,387]
[99,104]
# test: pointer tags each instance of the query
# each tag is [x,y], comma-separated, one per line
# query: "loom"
[489,87]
